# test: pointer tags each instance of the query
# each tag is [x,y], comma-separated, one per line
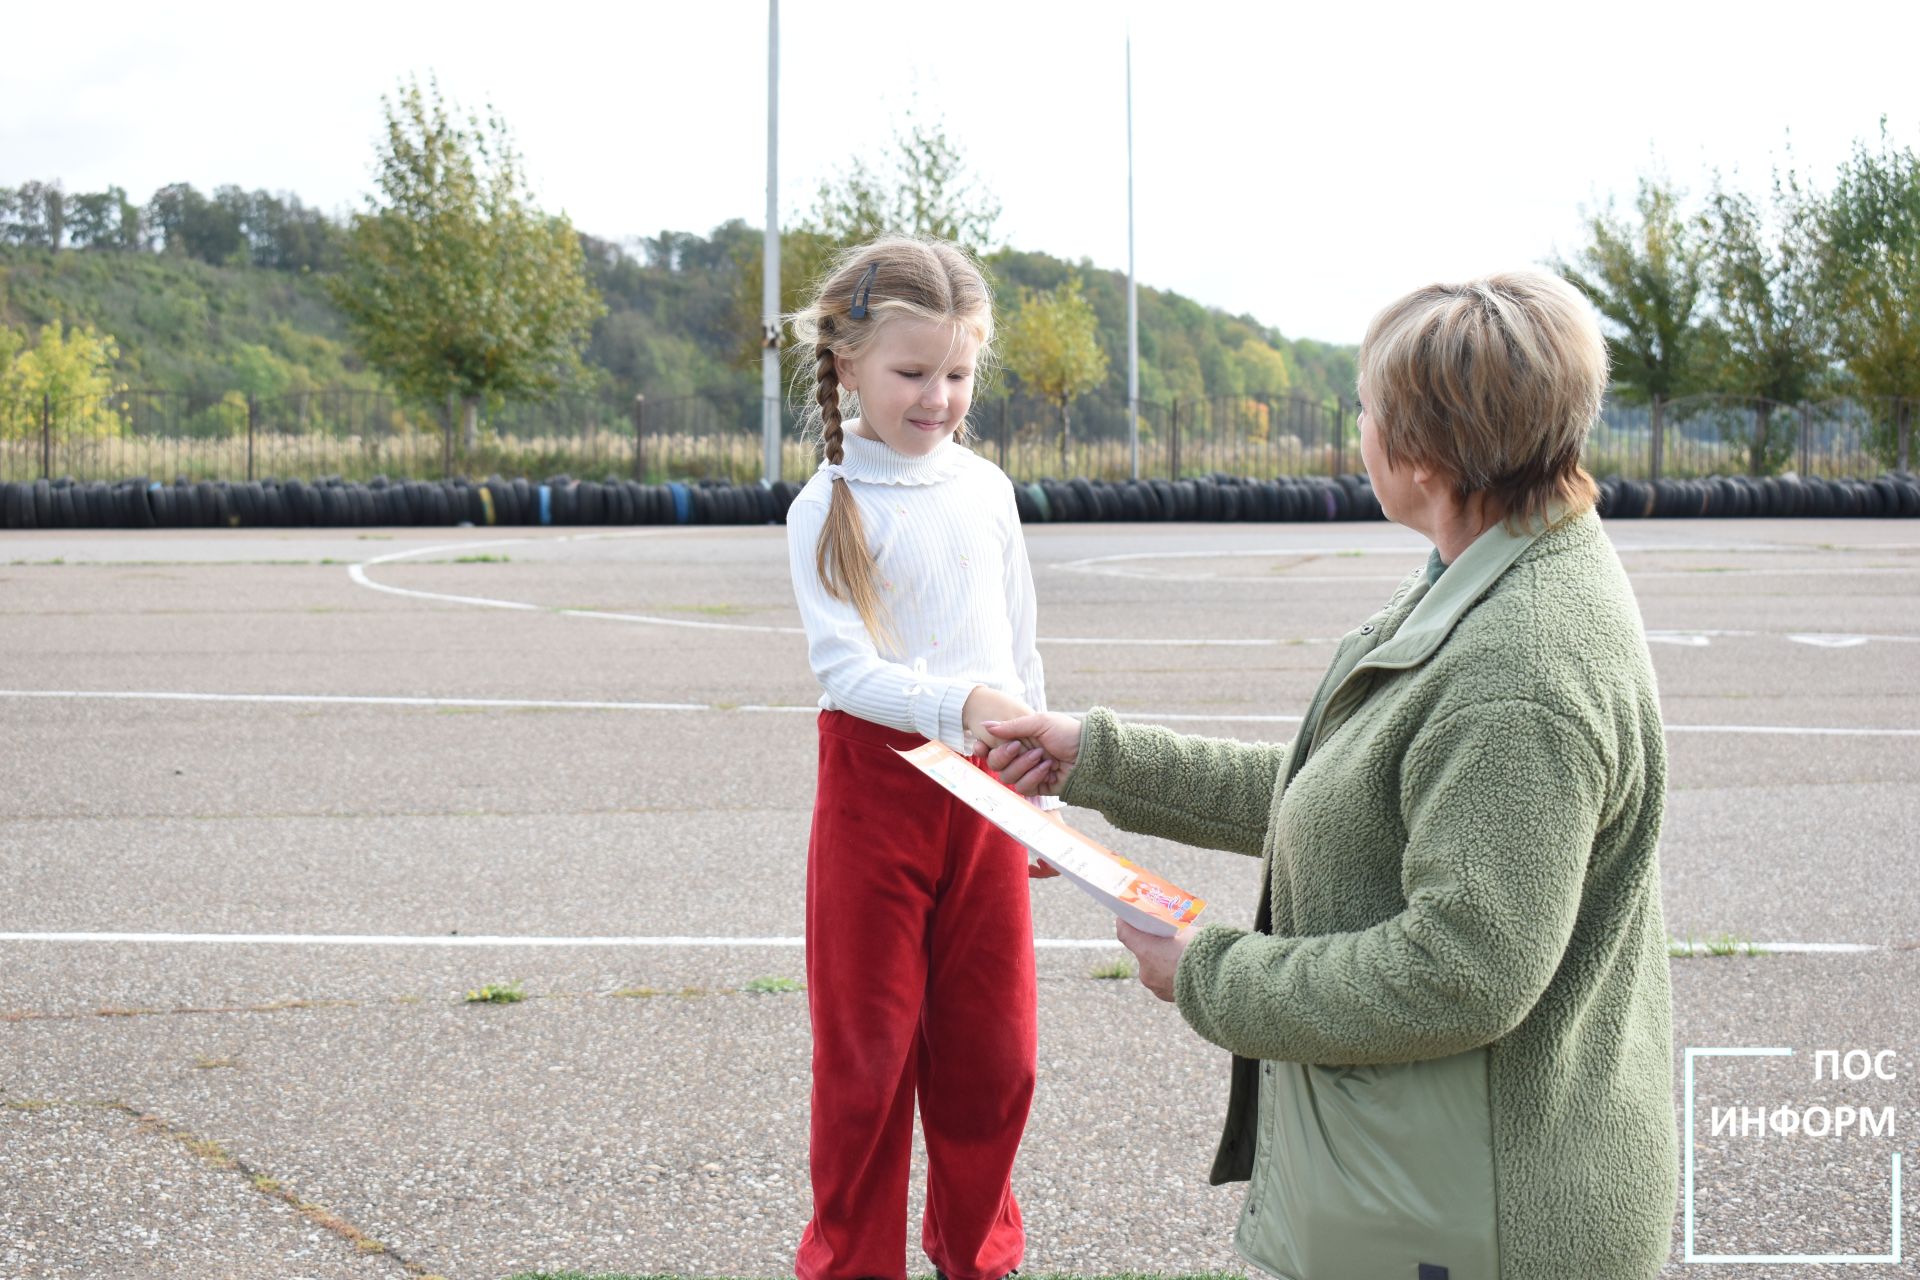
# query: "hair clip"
[864,292]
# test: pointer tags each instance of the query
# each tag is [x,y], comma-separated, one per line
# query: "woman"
[1451,1022]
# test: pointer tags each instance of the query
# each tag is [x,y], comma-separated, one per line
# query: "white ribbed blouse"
[953,569]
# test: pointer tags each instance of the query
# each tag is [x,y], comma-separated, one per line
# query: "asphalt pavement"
[403,764]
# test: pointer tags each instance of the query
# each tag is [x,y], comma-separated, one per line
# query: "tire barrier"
[562,500]
[1215,498]
[1895,494]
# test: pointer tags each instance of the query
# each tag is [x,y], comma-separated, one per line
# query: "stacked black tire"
[1218,498]
[562,500]
[207,504]
[1894,494]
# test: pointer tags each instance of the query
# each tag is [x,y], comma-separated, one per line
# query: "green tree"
[35,214]
[920,187]
[1648,281]
[192,225]
[1870,281]
[1052,344]
[1768,336]
[104,220]
[925,190]
[453,283]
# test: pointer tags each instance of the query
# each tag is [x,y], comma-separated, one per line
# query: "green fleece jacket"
[1454,1006]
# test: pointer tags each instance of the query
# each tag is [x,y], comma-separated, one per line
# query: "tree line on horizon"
[278,296]
[453,285]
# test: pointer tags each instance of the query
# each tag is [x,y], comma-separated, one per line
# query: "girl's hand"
[985,704]
[1035,753]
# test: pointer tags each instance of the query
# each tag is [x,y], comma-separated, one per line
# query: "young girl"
[911,575]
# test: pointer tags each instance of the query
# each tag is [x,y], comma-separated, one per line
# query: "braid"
[843,559]
[826,390]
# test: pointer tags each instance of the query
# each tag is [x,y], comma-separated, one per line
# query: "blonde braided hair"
[925,279]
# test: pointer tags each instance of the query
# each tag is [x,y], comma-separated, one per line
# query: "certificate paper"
[1133,893]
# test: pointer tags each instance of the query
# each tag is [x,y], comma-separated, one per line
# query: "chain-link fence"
[716,435]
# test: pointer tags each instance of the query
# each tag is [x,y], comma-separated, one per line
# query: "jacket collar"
[1465,581]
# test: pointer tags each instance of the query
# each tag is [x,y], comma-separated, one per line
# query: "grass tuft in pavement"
[1724,945]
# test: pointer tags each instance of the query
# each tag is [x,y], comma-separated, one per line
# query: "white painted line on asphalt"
[1818,948]
[665,942]
[461,940]
[560,704]
[1105,566]
[1864,571]
[1797,730]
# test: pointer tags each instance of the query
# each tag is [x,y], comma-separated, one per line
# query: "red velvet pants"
[920,983]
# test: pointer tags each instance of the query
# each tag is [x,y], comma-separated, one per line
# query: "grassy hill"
[672,325]
[184,325]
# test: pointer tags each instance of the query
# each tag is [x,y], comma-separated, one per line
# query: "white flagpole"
[1133,303]
[770,272]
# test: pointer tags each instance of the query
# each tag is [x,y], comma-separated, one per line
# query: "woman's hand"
[1035,753]
[1158,957]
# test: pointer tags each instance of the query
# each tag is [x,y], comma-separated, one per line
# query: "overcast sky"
[1305,164]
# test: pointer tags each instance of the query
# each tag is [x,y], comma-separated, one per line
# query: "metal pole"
[639,435]
[46,435]
[1133,303]
[1659,439]
[1339,434]
[1903,414]
[770,274]
[1173,441]
[253,413]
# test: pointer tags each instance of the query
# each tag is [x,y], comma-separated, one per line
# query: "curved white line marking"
[357,572]
[1685,638]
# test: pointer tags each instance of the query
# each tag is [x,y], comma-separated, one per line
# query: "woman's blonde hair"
[866,286]
[1493,383]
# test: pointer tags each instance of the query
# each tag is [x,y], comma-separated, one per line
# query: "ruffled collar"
[873,462]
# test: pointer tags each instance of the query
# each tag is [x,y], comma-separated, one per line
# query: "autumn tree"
[71,369]
[1052,344]
[453,283]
